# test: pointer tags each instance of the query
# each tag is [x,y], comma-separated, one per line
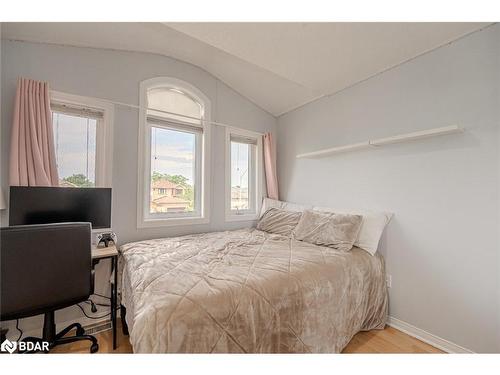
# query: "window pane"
[174,101]
[240,171]
[172,171]
[75,146]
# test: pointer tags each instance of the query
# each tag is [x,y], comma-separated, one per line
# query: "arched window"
[174,152]
[173,100]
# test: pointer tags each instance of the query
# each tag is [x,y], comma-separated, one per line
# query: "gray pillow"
[338,231]
[276,220]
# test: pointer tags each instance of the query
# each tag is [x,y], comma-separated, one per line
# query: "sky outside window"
[75,145]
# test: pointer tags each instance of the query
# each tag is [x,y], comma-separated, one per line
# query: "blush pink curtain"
[32,154]
[270,166]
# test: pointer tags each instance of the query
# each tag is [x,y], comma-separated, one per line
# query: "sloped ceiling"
[278,66]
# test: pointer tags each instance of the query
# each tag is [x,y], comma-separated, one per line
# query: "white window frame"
[144,218]
[256,177]
[104,132]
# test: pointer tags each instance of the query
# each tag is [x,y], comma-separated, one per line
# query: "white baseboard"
[426,337]
[84,321]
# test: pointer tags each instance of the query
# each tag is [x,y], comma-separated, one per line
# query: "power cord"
[19,329]
[92,317]
[93,304]
[100,295]
[93,307]
[96,303]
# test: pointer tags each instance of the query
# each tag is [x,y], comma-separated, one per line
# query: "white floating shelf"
[384,141]
[335,150]
[417,135]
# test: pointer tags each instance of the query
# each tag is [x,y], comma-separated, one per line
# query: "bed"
[248,291]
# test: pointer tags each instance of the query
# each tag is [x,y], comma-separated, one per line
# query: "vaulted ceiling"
[279,66]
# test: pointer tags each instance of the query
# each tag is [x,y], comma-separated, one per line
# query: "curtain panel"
[32,154]
[270,166]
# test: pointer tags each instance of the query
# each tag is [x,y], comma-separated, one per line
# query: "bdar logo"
[8,346]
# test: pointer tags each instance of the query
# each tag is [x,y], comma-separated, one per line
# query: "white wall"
[442,246]
[116,75]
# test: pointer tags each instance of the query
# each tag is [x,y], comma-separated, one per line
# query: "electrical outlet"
[388,280]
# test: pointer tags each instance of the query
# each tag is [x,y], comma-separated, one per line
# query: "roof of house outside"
[237,192]
[165,184]
[64,183]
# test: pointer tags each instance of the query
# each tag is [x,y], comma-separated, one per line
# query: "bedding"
[338,231]
[372,226]
[279,221]
[248,291]
[268,203]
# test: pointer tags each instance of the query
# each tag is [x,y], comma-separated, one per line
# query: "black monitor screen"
[43,205]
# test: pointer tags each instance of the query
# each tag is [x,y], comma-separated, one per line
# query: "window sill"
[156,223]
[244,217]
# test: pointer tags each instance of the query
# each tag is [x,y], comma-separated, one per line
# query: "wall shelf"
[384,141]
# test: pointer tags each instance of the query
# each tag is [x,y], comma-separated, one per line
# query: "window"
[173,153]
[173,166]
[82,140]
[243,174]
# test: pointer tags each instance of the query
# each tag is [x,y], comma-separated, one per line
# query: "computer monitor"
[44,205]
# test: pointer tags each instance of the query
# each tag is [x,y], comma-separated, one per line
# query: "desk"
[109,252]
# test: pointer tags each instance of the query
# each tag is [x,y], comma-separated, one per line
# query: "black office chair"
[46,268]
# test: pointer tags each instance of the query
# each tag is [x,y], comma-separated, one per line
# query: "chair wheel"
[94,348]
[80,331]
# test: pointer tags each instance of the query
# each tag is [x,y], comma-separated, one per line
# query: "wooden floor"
[389,340]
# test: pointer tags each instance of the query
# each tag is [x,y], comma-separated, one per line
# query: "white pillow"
[372,226]
[287,206]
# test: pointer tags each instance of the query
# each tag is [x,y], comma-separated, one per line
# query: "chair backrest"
[44,267]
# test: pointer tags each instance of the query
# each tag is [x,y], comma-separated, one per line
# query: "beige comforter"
[248,291]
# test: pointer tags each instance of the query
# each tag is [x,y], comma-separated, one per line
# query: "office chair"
[45,268]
